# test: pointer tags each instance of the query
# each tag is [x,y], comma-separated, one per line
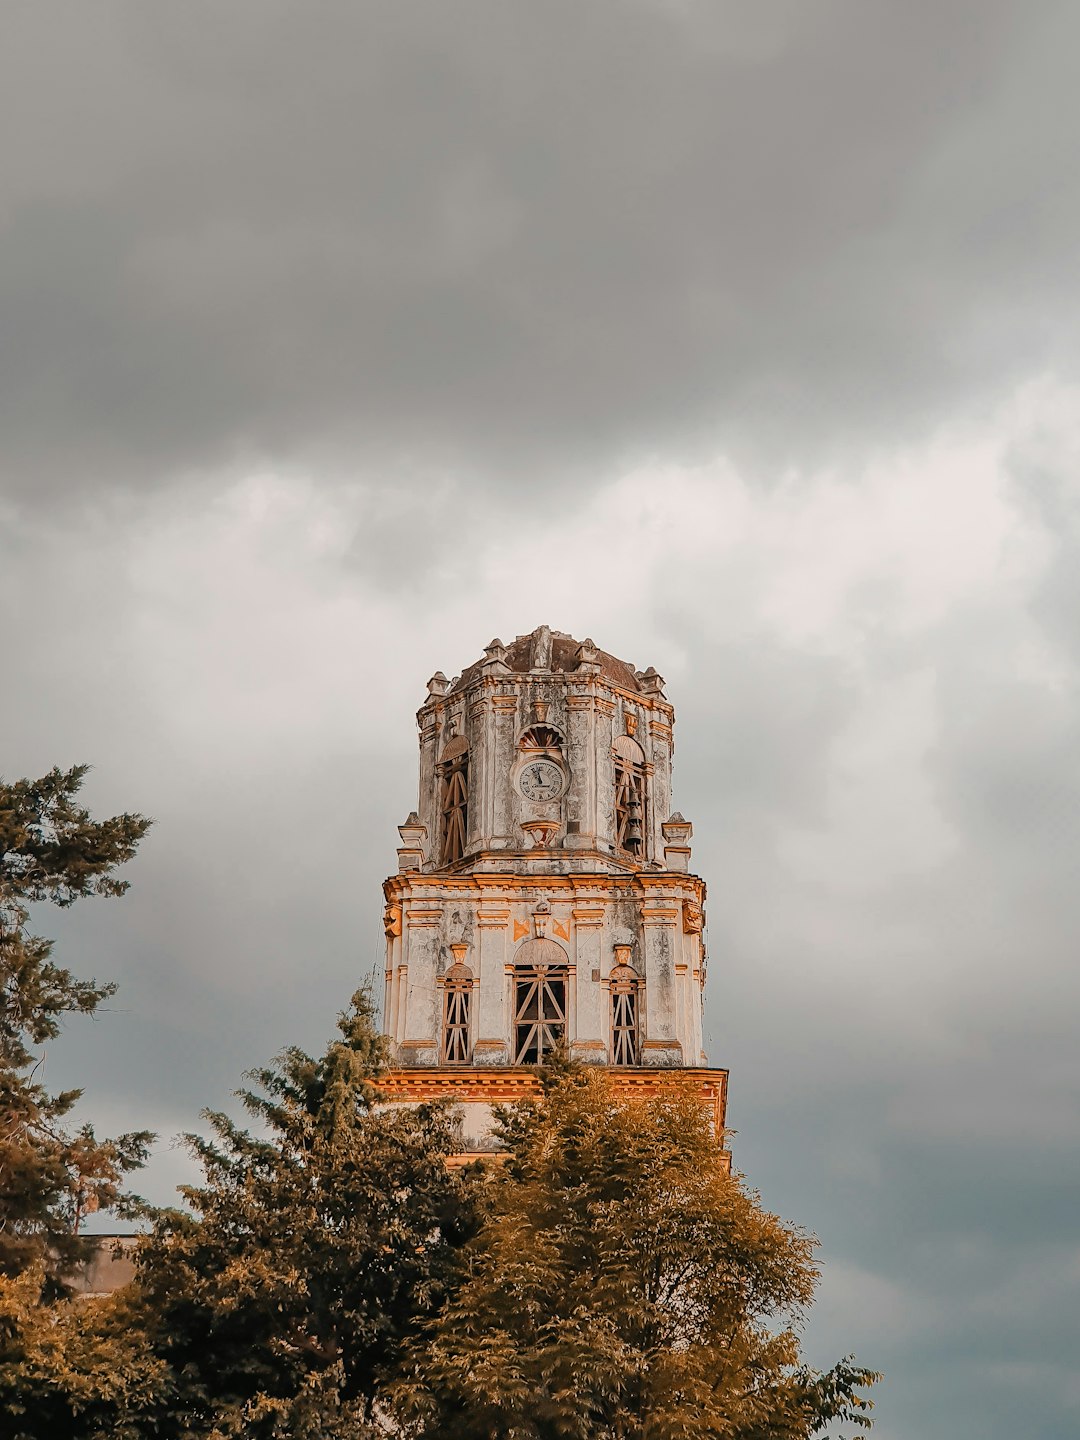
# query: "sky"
[336,339]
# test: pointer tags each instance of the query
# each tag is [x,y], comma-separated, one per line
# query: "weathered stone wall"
[561,854]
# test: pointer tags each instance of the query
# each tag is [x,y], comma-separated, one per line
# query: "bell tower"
[544,896]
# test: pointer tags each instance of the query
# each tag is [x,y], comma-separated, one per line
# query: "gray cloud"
[490,241]
[336,340]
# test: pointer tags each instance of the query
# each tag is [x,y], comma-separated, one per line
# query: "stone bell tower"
[544,895]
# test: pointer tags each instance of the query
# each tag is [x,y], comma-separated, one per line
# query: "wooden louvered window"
[456,1005]
[625,994]
[539,1012]
[454,802]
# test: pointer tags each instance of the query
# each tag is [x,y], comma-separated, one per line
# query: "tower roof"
[547,650]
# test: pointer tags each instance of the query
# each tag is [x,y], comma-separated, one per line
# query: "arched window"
[457,1001]
[540,995]
[630,815]
[625,992]
[454,798]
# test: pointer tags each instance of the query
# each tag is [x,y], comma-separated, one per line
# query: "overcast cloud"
[337,338]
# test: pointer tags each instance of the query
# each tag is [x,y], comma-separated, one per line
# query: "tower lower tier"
[478,1090]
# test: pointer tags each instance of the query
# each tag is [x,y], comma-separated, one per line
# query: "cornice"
[572,682]
[507,1084]
[601,884]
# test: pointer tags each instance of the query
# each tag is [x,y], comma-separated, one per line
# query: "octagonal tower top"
[547,755]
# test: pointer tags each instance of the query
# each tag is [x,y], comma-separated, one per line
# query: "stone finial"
[495,656]
[437,685]
[411,852]
[677,832]
[588,658]
[540,651]
[677,829]
[651,683]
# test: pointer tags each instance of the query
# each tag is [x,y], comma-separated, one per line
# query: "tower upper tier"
[547,755]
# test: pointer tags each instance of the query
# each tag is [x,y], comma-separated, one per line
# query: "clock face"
[541,780]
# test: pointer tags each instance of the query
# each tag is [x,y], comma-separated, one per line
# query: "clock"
[541,780]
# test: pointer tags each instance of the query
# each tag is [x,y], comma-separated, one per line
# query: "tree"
[74,1369]
[51,850]
[312,1252]
[622,1286]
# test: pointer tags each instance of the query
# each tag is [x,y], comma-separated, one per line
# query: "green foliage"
[51,850]
[314,1250]
[72,1369]
[623,1287]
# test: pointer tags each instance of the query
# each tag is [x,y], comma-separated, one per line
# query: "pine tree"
[51,851]
[310,1254]
[623,1287]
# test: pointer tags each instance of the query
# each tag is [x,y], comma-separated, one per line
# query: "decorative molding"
[659,915]
[423,919]
[693,918]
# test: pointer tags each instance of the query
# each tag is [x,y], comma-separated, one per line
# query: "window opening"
[629,795]
[625,992]
[454,799]
[539,1013]
[541,975]
[457,1002]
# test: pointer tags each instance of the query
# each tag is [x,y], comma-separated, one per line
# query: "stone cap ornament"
[413,834]
[459,973]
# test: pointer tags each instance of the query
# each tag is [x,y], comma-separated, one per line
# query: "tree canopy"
[623,1286]
[284,1296]
[337,1276]
[51,850]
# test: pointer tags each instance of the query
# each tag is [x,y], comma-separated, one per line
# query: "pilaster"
[659,923]
[492,1024]
[591,1030]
